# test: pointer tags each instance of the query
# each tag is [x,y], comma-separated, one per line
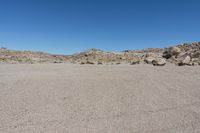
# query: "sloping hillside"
[11,56]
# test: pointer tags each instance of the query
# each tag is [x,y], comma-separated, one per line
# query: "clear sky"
[68,26]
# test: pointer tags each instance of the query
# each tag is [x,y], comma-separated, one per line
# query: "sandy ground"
[64,98]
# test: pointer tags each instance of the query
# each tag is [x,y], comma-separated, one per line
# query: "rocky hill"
[13,57]
[184,54]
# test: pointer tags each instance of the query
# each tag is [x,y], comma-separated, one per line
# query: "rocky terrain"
[184,54]
[73,98]
[14,57]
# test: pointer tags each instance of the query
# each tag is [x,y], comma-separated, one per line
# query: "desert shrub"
[118,63]
[135,62]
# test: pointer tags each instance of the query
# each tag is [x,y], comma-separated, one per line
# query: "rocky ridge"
[184,54]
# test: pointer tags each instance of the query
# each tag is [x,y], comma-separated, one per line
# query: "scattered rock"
[159,62]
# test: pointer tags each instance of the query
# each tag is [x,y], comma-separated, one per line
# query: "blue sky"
[69,26]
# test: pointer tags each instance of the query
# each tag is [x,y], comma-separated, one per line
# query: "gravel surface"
[65,98]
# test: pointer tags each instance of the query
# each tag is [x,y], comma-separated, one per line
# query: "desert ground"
[66,98]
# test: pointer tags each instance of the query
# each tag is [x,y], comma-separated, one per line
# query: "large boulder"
[149,60]
[159,62]
[184,61]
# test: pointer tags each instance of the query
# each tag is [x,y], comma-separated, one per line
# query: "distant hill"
[184,54]
[12,56]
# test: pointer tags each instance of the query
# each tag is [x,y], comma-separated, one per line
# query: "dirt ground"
[65,98]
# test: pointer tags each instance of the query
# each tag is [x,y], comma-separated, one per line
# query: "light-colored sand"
[63,98]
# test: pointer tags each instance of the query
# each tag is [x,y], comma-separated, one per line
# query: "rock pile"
[186,54]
